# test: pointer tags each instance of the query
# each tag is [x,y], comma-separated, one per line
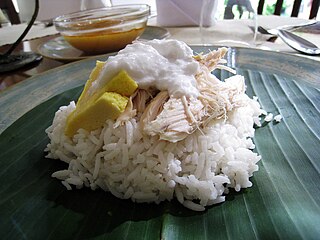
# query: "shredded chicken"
[176,120]
[141,99]
[127,114]
[212,59]
[154,108]
[173,119]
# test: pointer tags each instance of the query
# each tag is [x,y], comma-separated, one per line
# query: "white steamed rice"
[198,171]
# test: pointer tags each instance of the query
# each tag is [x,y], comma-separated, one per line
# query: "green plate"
[284,202]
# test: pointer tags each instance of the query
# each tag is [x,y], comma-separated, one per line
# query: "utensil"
[292,40]
[298,43]
[285,27]
[297,26]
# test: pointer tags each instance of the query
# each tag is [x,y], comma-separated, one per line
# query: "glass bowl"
[103,30]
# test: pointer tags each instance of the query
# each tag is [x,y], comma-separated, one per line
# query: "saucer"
[59,49]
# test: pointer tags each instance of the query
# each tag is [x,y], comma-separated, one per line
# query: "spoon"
[292,40]
[298,43]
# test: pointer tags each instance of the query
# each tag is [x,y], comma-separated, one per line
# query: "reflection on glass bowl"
[103,30]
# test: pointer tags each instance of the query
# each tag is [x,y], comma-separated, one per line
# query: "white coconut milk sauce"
[162,64]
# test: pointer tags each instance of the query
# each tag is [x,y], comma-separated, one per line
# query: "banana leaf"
[283,203]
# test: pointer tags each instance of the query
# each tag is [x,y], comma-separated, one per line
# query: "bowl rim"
[141,10]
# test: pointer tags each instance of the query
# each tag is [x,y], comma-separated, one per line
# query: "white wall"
[48,8]
[53,8]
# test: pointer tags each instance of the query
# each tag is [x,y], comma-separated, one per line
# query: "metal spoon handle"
[297,26]
[298,43]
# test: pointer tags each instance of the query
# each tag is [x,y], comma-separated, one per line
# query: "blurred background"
[52,8]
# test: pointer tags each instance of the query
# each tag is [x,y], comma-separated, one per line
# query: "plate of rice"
[164,141]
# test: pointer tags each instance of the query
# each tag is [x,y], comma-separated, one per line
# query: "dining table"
[284,201]
[223,33]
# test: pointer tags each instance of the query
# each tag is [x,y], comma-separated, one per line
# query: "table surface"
[191,35]
[10,78]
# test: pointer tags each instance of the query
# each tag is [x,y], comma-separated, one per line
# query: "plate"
[283,203]
[59,49]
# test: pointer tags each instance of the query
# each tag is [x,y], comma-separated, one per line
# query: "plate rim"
[70,59]
[11,93]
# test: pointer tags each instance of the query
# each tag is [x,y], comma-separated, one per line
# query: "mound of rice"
[198,170]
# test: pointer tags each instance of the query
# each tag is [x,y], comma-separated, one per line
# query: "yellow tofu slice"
[108,102]
[122,83]
[109,106]
[93,76]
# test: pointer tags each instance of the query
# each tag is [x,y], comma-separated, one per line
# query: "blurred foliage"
[268,9]
[270,6]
